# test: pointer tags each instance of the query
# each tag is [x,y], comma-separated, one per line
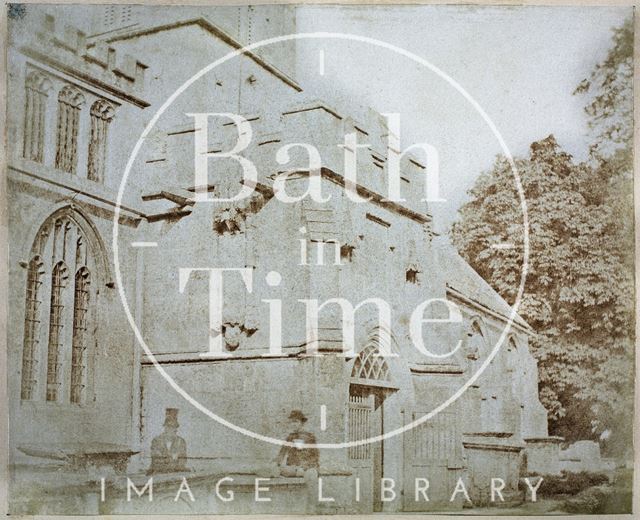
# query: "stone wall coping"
[74,448]
[492,441]
[332,471]
[76,184]
[167,479]
[552,439]
[249,480]
[498,435]
[435,368]
[245,355]
[492,447]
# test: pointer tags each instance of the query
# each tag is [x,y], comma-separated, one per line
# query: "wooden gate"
[369,387]
[432,451]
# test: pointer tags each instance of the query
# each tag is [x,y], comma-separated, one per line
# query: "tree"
[579,291]
[609,107]
[609,91]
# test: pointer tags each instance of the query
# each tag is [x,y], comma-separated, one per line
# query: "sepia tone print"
[264,263]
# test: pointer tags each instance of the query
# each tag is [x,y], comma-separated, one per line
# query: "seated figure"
[169,450]
[295,461]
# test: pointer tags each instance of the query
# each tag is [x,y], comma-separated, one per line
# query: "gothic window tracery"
[101,115]
[369,364]
[79,345]
[59,279]
[56,325]
[70,101]
[32,327]
[37,88]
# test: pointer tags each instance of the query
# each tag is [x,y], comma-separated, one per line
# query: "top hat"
[171,417]
[297,415]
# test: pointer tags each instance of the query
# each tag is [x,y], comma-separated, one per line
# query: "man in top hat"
[294,461]
[168,450]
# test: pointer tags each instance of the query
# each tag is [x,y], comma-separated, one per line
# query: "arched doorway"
[369,386]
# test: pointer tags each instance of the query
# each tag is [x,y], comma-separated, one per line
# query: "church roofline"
[518,322]
[209,27]
[314,104]
[422,218]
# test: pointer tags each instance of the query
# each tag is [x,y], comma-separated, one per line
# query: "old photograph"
[320,259]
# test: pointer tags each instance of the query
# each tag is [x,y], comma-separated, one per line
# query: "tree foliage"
[579,293]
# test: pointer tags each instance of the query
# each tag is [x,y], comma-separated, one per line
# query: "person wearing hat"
[168,450]
[295,460]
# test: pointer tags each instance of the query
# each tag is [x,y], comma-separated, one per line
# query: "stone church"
[87,402]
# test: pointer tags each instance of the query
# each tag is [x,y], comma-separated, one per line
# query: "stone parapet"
[66,49]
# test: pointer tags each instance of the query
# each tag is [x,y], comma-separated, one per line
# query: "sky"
[520,64]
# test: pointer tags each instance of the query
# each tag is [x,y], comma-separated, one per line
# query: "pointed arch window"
[370,365]
[31,328]
[59,279]
[79,345]
[475,341]
[56,325]
[37,88]
[70,101]
[512,356]
[101,115]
